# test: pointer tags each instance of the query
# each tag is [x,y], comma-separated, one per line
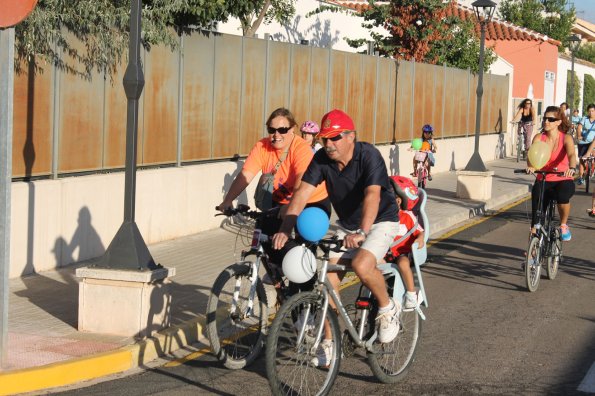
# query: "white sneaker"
[412,301]
[388,323]
[309,334]
[324,354]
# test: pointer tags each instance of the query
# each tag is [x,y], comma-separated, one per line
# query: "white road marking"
[588,383]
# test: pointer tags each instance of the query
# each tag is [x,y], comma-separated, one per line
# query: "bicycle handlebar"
[245,211]
[540,172]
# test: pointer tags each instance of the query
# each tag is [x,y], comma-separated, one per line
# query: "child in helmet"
[429,146]
[309,131]
[407,198]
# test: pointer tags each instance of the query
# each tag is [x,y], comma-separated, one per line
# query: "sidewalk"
[46,350]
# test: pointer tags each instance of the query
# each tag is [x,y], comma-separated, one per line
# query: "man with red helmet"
[360,192]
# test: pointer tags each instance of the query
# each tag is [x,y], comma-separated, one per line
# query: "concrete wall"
[581,69]
[327,29]
[57,222]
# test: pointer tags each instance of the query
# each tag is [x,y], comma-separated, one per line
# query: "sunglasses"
[551,119]
[281,130]
[334,138]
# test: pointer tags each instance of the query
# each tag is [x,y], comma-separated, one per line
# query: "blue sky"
[588,9]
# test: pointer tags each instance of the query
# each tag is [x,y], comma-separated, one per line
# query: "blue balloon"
[312,224]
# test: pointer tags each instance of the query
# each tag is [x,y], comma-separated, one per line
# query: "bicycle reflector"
[299,264]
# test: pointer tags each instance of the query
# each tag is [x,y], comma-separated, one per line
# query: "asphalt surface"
[484,333]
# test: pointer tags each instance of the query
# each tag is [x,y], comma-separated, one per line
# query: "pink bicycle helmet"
[310,127]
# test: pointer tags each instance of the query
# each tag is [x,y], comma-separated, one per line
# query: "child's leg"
[406,273]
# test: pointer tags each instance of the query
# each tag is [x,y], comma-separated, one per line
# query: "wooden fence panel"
[32,123]
[253,93]
[299,86]
[338,89]
[279,60]
[368,100]
[404,101]
[114,152]
[319,83]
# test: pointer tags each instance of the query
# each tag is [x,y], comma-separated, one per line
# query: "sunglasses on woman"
[551,119]
[281,130]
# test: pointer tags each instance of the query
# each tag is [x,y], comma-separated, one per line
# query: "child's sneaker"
[412,301]
[388,326]
[581,181]
[324,354]
[565,234]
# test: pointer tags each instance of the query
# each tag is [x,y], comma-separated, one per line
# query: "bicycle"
[292,343]
[421,171]
[521,139]
[237,309]
[546,243]
[589,163]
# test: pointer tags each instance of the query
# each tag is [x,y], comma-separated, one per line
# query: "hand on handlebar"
[530,170]
[569,172]
[353,241]
[279,240]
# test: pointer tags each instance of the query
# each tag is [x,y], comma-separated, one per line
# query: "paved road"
[485,334]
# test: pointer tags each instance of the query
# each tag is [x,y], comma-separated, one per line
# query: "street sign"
[14,11]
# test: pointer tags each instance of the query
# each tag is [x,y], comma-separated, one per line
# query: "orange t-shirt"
[263,157]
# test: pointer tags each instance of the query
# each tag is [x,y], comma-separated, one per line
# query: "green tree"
[576,92]
[252,13]
[423,31]
[549,17]
[586,52]
[588,92]
[80,36]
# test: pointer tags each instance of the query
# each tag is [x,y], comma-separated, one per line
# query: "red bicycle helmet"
[335,122]
[406,190]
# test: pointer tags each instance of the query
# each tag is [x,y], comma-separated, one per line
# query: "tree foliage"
[80,36]
[549,17]
[588,92]
[586,52]
[423,31]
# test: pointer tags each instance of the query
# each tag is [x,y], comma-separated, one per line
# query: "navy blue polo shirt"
[346,188]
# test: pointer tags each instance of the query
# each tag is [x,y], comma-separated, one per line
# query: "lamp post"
[573,43]
[484,10]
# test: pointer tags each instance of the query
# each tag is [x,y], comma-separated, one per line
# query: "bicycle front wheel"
[390,361]
[533,264]
[236,323]
[555,258]
[291,362]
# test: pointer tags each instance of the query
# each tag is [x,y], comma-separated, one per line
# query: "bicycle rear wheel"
[555,258]
[390,361]
[533,264]
[236,336]
[289,360]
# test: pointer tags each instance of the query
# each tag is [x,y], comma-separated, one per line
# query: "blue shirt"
[588,131]
[346,187]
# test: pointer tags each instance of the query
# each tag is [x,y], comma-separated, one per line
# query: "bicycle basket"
[420,156]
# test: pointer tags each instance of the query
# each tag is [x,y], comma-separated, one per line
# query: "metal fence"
[209,101]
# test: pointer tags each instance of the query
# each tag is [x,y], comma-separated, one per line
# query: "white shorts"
[377,242]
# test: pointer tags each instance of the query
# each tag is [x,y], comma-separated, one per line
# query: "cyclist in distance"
[428,145]
[290,155]
[359,189]
[585,135]
[562,159]
[309,131]
[526,116]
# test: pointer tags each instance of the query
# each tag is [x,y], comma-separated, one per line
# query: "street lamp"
[573,43]
[484,10]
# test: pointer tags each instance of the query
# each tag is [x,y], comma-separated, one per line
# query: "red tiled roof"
[497,30]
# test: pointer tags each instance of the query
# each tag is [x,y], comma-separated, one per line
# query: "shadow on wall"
[500,151]
[453,165]
[229,178]
[318,35]
[393,157]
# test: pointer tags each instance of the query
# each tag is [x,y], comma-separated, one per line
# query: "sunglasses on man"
[281,130]
[334,138]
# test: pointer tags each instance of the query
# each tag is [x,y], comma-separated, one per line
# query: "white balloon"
[299,264]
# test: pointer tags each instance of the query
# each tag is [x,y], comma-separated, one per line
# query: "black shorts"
[582,149]
[561,191]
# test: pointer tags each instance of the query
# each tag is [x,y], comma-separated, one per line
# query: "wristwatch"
[361,232]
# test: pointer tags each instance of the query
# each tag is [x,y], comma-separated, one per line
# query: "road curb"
[103,364]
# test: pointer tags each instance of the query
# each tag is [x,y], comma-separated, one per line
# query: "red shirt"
[406,222]
[558,160]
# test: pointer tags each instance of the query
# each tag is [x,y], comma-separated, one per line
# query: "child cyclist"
[309,131]
[429,147]
[407,198]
